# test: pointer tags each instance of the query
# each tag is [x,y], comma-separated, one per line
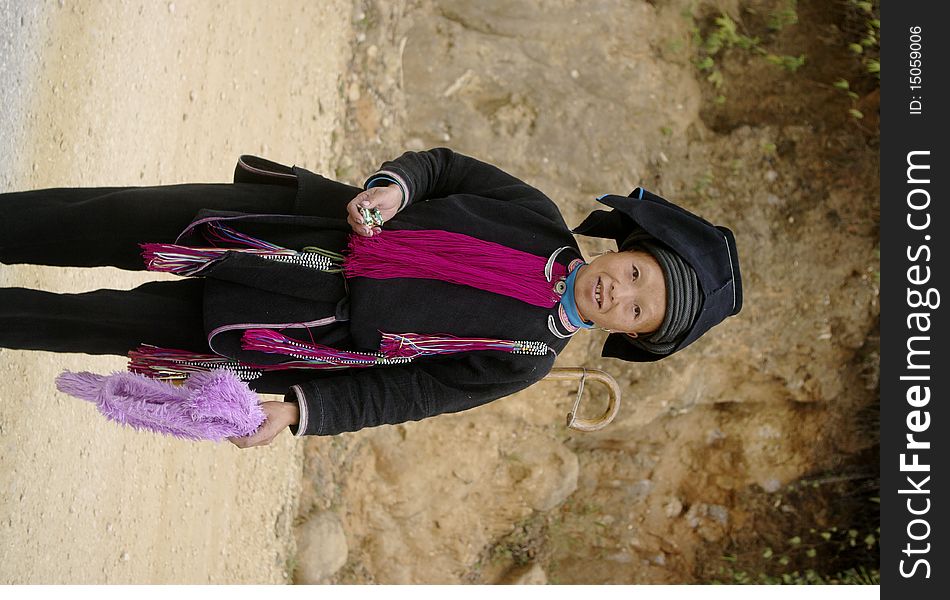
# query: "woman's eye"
[636,273]
[636,312]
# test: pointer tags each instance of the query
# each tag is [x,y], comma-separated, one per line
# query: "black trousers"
[87,227]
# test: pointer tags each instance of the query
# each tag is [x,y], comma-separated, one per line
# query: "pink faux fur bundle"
[210,406]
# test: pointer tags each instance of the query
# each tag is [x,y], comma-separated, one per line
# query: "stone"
[639,490]
[673,507]
[545,472]
[719,513]
[321,548]
[709,521]
[530,574]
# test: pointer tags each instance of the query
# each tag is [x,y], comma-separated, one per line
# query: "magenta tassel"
[170,364]
[187,260]
[272,342]
[181,260]
[217,232]
[178,365]
[394,348]
[411,345]
[456,258]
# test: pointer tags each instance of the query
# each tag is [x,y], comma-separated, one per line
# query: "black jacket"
[445,191]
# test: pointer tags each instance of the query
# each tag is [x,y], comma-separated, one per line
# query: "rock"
[620,557]
[639,490]
[545,472]
[719,513]
[321,548]
[673,507]
[530,574]
[709,521]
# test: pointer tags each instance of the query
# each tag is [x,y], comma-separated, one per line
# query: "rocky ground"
[583,98]
[742,441]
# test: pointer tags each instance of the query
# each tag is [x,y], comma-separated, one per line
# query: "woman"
[471,264]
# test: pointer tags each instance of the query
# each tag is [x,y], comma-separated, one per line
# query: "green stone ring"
[372,216]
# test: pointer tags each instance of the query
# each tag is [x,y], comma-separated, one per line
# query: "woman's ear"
[632,334]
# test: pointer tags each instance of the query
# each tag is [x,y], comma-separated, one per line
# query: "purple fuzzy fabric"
[210,406]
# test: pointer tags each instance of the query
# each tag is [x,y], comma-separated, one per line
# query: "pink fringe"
[411,345]
[272,342]
[394,348]
[456,258]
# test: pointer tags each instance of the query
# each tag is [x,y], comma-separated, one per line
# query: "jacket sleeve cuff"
[382,178]
[297,395]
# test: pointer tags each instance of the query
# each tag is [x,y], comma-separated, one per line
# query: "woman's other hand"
[278,415]
[385,199]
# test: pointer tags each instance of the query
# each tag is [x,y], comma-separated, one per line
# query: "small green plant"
[821,553]
[703,181]
[862,31]
[785,16]
[725,35]
[789,63]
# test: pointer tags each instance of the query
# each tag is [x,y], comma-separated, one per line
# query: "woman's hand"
[385,199]
[278,415]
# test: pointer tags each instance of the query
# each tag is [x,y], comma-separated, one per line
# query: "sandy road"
[142,93]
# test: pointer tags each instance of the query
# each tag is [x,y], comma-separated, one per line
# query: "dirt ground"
[576,97]
[583,98]
[141,93]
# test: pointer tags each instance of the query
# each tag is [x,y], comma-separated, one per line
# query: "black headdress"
[708,249]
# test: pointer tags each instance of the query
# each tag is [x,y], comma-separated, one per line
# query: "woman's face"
[622,291]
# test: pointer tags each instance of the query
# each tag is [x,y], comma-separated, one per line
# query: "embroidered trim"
[562,314]
[213,219]
[307,324]
[394,348]
[302,404]
[252,169]
[400,182]
[549,267]
[553,329]
[732,271]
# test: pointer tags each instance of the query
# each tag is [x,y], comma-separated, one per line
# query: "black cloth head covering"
[683,297]
[709,250]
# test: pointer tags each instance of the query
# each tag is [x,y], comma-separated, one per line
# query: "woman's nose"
[619,292]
